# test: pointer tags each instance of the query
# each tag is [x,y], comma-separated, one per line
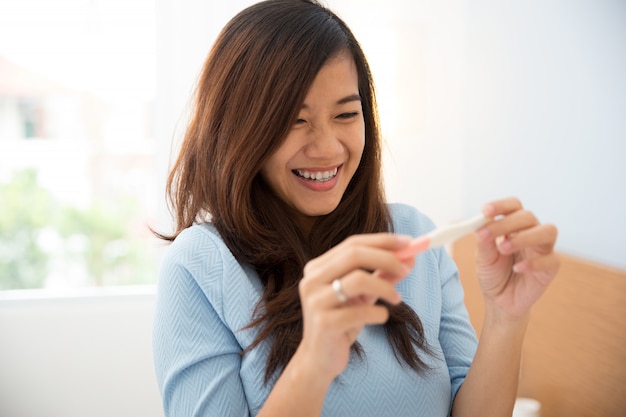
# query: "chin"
[318,211]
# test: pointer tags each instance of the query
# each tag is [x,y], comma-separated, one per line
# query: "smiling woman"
[77,150]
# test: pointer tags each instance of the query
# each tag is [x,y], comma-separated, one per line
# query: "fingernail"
[506,246]
[520,267]
[489,210]
[398,298]
[483,233]
[404,239]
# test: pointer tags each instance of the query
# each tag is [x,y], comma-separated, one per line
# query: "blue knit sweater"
[205,297]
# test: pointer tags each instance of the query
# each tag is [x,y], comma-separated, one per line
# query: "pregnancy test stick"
[441,236]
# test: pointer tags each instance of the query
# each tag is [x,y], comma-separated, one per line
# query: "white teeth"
[317,176]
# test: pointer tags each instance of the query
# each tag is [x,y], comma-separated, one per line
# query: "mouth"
[317,175]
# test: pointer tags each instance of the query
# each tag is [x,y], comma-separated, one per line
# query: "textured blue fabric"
[205,297]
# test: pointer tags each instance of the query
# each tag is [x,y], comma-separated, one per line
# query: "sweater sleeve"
[456,334]
[197,357]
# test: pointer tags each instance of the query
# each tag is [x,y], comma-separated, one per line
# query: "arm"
[300,390]
[490,386]
[330,326]
[196,356]
[515,264]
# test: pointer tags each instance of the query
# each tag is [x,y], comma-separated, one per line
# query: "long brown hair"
[251,88]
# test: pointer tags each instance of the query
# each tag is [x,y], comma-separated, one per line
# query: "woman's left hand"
[516,260]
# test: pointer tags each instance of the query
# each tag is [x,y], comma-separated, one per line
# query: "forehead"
[342,61]
[336,80]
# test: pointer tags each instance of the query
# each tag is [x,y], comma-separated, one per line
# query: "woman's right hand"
[331,325]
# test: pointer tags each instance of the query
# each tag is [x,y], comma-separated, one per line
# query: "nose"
[324,142]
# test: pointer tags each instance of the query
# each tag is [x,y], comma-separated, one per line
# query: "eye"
[347,116]
[299,122]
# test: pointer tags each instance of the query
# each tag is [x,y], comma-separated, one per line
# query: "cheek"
[274,169]
[357,143]
[269,173]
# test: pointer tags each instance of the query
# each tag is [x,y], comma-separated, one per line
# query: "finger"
[512,223]
[353,334]
[348,318]
[359,285]
[388,241]
[487,247]
[488,252]
[392,279]
[409,263]
[345,320]
[354,254]
[547,263]
[502,207]
[542,238]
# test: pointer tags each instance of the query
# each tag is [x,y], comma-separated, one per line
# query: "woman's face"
[311,170]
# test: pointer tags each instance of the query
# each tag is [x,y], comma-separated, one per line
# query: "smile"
[317,176]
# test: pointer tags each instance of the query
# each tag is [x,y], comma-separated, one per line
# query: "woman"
[281,293]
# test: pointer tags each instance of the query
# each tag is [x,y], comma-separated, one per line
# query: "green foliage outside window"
[103,240]
[26,210]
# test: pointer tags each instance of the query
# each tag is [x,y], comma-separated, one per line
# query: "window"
[78,171]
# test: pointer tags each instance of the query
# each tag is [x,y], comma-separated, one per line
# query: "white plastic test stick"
[442,236]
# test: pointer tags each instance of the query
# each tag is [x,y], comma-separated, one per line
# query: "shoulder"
[197,240]
[408,220]
[199,260]
[200,250]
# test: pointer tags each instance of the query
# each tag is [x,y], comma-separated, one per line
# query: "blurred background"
[77,143]
[478,100]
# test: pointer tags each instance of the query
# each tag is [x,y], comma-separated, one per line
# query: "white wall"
[546,116]
[77,355]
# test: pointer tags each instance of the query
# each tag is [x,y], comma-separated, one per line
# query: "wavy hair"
[248,96]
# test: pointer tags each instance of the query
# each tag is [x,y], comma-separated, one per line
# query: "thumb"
[487,246]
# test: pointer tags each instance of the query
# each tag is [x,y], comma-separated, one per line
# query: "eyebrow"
[353,97]
[347,99]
